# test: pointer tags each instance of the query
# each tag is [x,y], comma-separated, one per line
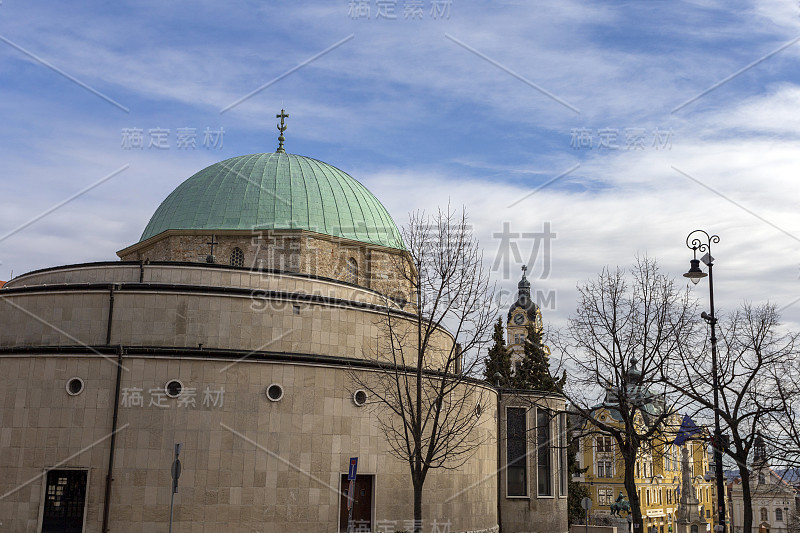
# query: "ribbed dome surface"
[276,191]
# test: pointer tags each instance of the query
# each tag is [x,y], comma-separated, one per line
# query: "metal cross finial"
[281,128]
[524,269]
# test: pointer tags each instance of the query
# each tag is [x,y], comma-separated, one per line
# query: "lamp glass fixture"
[695,273]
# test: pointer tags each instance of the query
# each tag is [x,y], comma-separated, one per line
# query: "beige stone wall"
[285,479]
[533,513]
[201,274]
[255,319]
[287,250]
[249,464]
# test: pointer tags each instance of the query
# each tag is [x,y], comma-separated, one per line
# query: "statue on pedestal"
[620,504]
[689,519]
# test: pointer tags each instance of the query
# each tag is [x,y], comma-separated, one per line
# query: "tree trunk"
[417,508]
[744,472]
[633,494]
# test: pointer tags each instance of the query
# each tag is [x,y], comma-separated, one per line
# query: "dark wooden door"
[64,501]
[362,503]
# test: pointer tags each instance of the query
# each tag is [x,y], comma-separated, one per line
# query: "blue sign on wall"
[351,474]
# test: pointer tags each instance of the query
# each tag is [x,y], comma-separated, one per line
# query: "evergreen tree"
[534,369]
[576,491]
[498,360]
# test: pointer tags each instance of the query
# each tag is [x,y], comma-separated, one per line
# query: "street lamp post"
[699,240]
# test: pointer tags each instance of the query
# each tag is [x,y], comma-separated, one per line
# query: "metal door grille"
[64,501]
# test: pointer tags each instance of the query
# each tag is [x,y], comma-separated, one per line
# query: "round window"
[478,410]
[173,388]
[274,392]
[360,397]
[74,386]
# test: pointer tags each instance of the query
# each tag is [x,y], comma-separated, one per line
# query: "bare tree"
[426,385]
[754,359]
[626,327]
[784,426]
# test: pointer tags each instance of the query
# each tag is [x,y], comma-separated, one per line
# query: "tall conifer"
[534,369]
[498,360]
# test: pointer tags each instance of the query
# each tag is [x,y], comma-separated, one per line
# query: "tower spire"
[524,286]
[281,129]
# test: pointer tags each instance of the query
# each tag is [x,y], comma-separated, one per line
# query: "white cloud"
[400,84]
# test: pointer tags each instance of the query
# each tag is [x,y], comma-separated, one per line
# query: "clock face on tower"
[519,318]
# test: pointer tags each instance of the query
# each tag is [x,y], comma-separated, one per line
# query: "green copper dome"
[276,191]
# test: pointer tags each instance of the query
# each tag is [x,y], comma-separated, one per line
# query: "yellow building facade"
[657,472]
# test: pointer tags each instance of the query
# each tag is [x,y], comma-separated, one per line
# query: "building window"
[545,470]
[603,444]
[604,469]
[360,397]
[516,452]
[351,272]
[605,496]
[762,479]
[274,392]
[74,386]
[173,388]
[778,515]
[237,257]
[764,515]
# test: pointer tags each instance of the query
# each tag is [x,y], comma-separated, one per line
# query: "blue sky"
[490,104]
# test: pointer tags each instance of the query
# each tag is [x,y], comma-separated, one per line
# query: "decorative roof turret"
[524,286]
[524,299]
[634,376]
[759,451]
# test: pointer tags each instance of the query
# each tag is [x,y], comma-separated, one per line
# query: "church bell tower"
[522,312]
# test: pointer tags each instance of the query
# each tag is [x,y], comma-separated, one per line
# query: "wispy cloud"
[403,109]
